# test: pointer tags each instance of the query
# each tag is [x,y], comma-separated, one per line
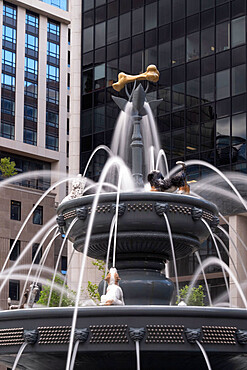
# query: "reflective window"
[31,66]
[36,253]
[15,211]
[31,89]
[31,42]
[124,31]
[150,16]
[164,55]
[222,128]
[53,49]
[206,4]
[8,82]
[30,113]
[99,76]
[14,290]
[239,129]
[192,139]
[51,142]
[193,92]
[151,56]
[16,251]
[178,143]
[207,88]
[99,119]
[52,73]
[137,21]
[9,34]
[87,39]
[62,4]
[239,79]
[9,11]
[238,31]
[222,84]
[52,119]
[178,7]
[99,35]
[178,51]
[193,6]
[38,215]
[7,106]
[192,47]
[112,30]
[178,96]
[8,58]
[164,11]
[207,42]
[30,136]
[222,37]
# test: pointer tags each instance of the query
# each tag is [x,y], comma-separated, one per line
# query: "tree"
[55,296]
[196,297]
[92,289]
[7,167]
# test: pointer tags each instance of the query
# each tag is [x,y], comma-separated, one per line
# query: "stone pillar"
[239,224]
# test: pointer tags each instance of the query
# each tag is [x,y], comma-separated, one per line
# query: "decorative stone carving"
[61,221]
[81,335]
[81,213]
[192,335]
[121,208]
[241,336]
[31,336]
[215,222]
[137,334]
[161,208]
[196,213]
[78,187]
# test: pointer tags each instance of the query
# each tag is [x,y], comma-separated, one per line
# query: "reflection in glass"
[222,84]
[239,79]
[207,135]
[178,143]
[192,139]
[99,119]
[178,9]
[165,55]
[207,42]
[99,35]
[178,96]
[151,56]
[192,47]
[222,37]
[193,6]
[87,39]
[164,12]
[178,50]
[99,76]
[238,31]
[150,16]
[112,72]
[193,92]
[137,21]
[124,26]
[207,88]
[206,4]
[239,126]
[223,127]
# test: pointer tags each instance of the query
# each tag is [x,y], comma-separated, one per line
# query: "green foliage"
[196,297]
[55,296]
[100,265]
[7,167]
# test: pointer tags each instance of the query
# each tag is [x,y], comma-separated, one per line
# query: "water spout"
[204,354]
[22,347]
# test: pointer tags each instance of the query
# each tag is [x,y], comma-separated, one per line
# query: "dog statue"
[159,183]
[114,294]
[16,306]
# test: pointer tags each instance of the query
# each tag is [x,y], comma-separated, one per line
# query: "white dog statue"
[114,294]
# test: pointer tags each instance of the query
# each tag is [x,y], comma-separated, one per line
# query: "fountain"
[151,228]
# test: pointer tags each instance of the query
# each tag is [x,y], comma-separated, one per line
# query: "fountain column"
[137,152]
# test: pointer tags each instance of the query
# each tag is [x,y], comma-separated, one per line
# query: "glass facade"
[199,47]
[7,127]
[31,78]
[52,85]
[200,50]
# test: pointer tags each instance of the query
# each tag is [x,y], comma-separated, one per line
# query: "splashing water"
[22,347]
[74,354]
[204,277]
[204,354]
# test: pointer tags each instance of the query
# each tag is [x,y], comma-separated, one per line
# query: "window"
[30,136]
[238,31]
[9,34]
[150,16]
[31,42]
[137,21]
[52,72]
[87,39]
[222,84]
[124,26]
[31,66]
[7,130]
[238,79]
[100,35]
[239,129]
[36,255]
[8,58]
[15,213]
[14,290]
[8,82]
[52,96]
[52,49]
[16,251]
[178,51]
[30,113]
[222,37]
[165,55]
[51,142]
[223,127]
[207,42]
[64,265]
[52,119]
[31,89]
[8,106]
[207,88]
[192,46]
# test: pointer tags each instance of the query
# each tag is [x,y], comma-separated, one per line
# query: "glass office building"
[200,50]
[199,47]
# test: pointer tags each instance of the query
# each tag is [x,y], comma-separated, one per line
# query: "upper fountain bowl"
[141,225]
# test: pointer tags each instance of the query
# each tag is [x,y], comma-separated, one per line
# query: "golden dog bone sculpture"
[151,74]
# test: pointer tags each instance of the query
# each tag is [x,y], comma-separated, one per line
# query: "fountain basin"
[141,224]
[109,344]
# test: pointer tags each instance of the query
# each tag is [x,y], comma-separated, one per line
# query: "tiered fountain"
[169,337]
